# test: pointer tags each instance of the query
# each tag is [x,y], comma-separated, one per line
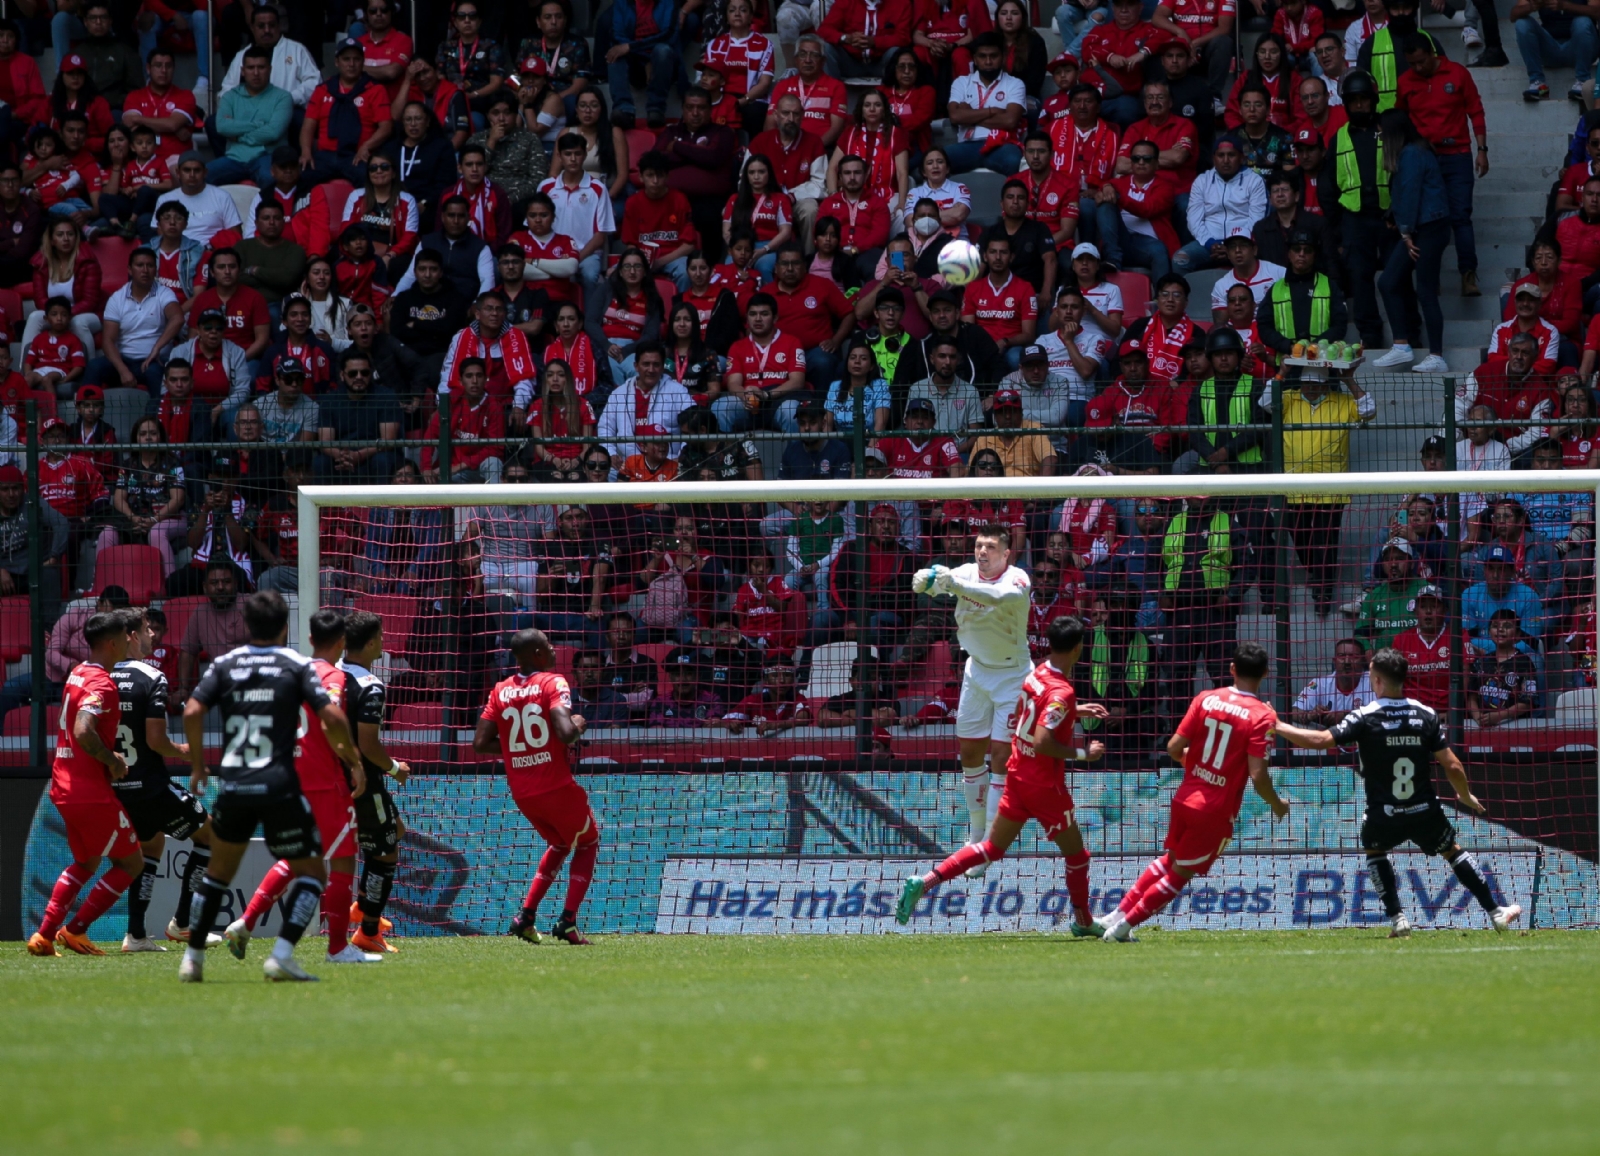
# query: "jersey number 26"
[528,728]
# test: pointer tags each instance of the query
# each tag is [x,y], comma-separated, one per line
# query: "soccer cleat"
[238,938]
[79,943]
[131,945]
[286,971]
[525,931]
[181,935]
[1079,931]
[1398,355]
[1433,363]
[1120,932]
[1534,93]
[191,970]
[567,931]
[1504,917]
[1400,927]
[364,942]
[353,954]
[39,945]
[977,870]
[385,924]
[1109,918]
[909,894]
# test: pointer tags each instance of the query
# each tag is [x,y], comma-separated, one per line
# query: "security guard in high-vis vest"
[1223,403]
[1357,175]
[1303,305]
[1382,54]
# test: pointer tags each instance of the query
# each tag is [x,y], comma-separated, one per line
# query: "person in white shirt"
[211,209]
[139,320]
[1246,269]
[992,602]
[953,198]
[1075,349]
[1480,449]
[1224,198]
[1327,699]
[988,101]
[293,68]
[583,207]
[660,397]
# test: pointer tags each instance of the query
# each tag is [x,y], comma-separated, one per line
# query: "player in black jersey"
[377,817]
[1399,739]
[156,805]
[259,690]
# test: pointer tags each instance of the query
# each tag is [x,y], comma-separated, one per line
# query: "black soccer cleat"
[566,930]
[523,928]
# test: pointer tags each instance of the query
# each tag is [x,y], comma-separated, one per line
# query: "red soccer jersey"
[62,352]
[314,761]
[768,215]
[74,776]
[1577,450]
[1041,615]
[1048,698]
[1224,728]
[810,311]
[519,706]
[791,164]
[743,62]
[1300,34]
[555,247]
[766,367]
[244,311]
[658,227]
[394,48]
[175,101]
[1197,17]
[933,458]
[1428,667]
[864,222]
[71,484]
[820,100]
[778,626]
[1051,200]
[1086,158]
[372,108]
[1001,309]
[1104,40]
[1177,132]
[138,174]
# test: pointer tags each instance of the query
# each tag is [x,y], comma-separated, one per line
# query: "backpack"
[666,600]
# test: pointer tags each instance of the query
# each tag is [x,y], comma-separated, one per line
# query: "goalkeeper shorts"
[989,700]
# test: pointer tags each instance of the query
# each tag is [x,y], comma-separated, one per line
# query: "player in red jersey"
[1223,740]
[523,714]
[1036,785]
[85,764]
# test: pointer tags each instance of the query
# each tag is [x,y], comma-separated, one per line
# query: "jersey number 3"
[1216,748]
[528,728]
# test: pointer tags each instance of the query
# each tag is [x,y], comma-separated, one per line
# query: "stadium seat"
[243,197]
[137,569]
[179,611]
[640,141]
[1135,295]
[668,289]
[418,716]
[399,614]
[124,407]
[830,669]
[985,186]
[16,720]
[112,253]
[1575,708]
[11,306]
[16,635]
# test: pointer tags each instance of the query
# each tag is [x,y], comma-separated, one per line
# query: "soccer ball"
[960,263]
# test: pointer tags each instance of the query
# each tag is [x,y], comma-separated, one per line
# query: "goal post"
[800,822]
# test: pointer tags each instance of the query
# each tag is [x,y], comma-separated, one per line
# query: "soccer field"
[1193,1043]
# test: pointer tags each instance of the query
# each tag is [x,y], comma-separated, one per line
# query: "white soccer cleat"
[977,872]
[1504,917]
[181,934]
[286,971]
[1400,927]
[353,954]
[1120,932]
[1109,918]
[238,937]
[1398,355]
[132,945]
[1432,363]
[191,970]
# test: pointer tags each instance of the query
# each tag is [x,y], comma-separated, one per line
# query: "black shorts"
[169,809]
[274,804]
[377,819]
[1429,829]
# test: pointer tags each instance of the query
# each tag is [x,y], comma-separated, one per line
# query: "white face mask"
[925,226]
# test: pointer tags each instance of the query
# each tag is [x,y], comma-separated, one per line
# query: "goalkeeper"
[992,600]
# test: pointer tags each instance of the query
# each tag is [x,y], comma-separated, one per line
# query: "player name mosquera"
[538,757]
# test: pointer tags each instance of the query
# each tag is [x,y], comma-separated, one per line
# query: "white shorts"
[988,700]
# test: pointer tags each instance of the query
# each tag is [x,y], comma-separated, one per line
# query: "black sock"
[1466,868]
[199,860]
[376,879]
[203,910]
[139,898]
[1381,872]
[301,904]
[568,915]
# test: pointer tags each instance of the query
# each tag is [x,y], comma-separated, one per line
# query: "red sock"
[1162,892]
[112,884]
[336,909]
[968,857]
[1156,869]
[1078,886]
[61,897]
[274,885]
[579,874]
[545,877]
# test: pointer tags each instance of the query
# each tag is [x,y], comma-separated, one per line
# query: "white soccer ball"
[960,262]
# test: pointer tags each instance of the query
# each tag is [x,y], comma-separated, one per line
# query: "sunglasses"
[380,168]
[596,467]
[466,16]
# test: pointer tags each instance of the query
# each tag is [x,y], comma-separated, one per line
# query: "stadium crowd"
[316,259]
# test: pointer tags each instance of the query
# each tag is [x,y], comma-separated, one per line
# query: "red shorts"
[1196,838]
[95,830]
[335,814]
[562,817]
[1050,806]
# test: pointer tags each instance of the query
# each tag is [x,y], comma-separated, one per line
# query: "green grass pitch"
[1335,1042]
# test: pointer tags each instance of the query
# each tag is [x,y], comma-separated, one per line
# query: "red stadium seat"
[112,253]
[11,306]
[137,569]
[45,401]
[179,611]
[418,716]
[399,614]
[1135,295]
[668,289]
[564,659]
[16,635]
[657,653]
[16,720]
[640,141]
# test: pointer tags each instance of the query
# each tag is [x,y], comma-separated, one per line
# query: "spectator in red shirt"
[1003,305]
[921,453]
[246,310]
[1207,27]
[657,221]
[861,34]
[908,87]
[1560,295]
[69,482]
[1175,137]
[1299,24]
[1119,51]
[883,566]
[347,120]
[56,358]
[943,33]
[1086,155]
[824,106]
[766,374]
[474,417]
[814,312]
[863,214]
[799,160]
[21,87]
[1147,196]
[1579,237]
[1571,188]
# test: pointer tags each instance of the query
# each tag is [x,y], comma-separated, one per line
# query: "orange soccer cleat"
[385,924]
[374,943]
[39,945]
[78,943]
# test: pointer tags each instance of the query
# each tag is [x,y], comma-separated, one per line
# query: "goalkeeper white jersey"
[992,616]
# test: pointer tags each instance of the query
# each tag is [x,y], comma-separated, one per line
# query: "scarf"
[482,207]
[516,358]
[344,118]
[580,359]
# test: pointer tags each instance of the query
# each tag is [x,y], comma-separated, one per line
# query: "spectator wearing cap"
[357,411]
[1390,606]
[477,423]
[211,209]
[988,106]
[1222,201]
[1206,26]
[957,408]
[1426,647]
[688,702]
[15,544]
[1499,589]
[1046,395]
[1289,216]
[221,376]
[1075,350]
[1358,203]
[1325,700]
[293,68]
[1302,303]
[254,119]
[89,428]
[1527,299]
[1536,560]
[346,122]
[812,455]
[1122,412]
[70,483]
[287,414]
[141,319]
[980,361]
[1245,268]
[1222,402]
[1310,161]
[899,353]
[1024,454]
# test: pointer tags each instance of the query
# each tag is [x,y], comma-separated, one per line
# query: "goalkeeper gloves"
[925,581]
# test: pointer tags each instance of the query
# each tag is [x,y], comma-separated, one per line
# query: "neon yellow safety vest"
[1384,73]
[1238,410]
[1283,308]
[1135,672]
[1347,172]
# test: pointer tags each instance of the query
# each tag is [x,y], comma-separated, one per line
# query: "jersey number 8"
[528,728]
[1405,779]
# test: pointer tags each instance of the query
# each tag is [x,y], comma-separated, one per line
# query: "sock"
[973,786]
[203,911]
[193,872]
[1465,865]
[267,893]
[336,909]
[304,899]
[969,856]
[578,877]
[376,879]
[1156,869]
[543,879]
[62,894]
[139,898]
[106,892]
[997,787]
[1381,872]
[1162,892]
[1078,886]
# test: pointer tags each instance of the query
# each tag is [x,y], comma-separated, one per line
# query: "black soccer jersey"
[1397,738]
[259,690]
[142,695]
[366,701]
